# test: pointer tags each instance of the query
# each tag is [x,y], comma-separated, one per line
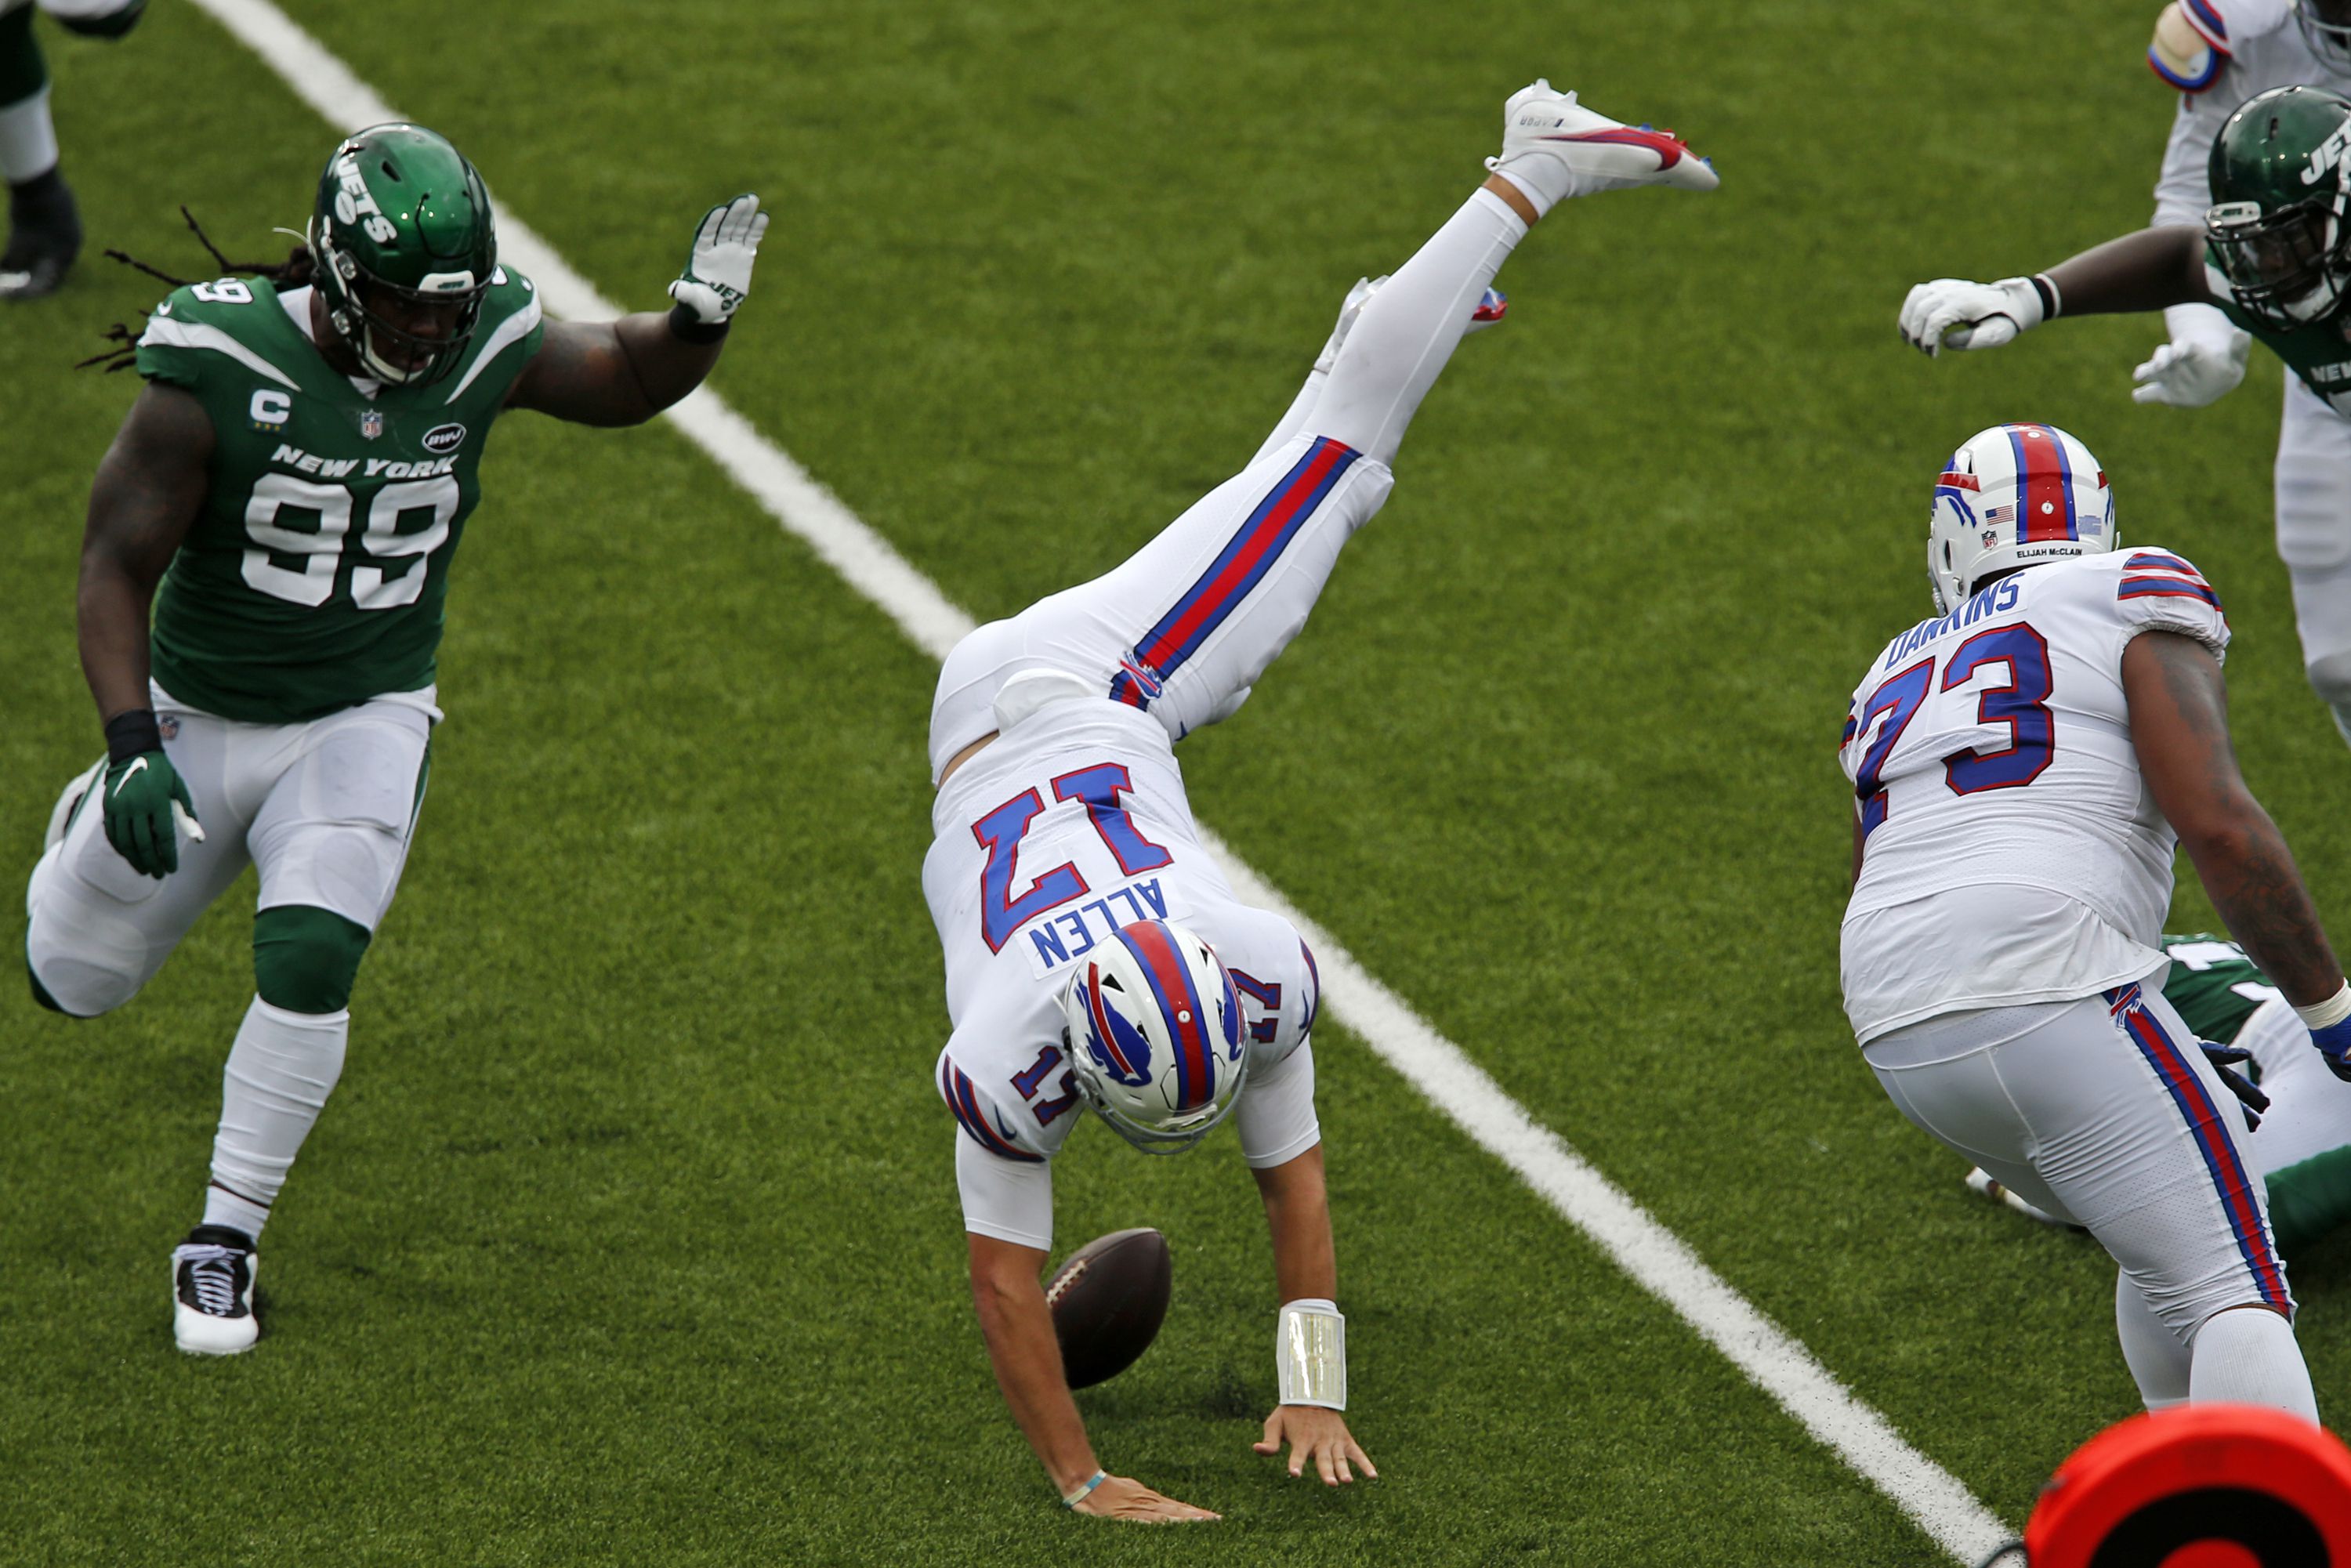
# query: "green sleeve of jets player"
[2213,985]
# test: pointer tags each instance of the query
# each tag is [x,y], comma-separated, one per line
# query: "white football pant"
[1186,626]
[2314,539]
[325,809]
[2104,1112]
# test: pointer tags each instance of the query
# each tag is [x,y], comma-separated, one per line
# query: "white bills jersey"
[1070,824]
[2011,852]
[2251,47]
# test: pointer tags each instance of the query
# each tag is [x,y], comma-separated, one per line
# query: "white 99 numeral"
[313,583]
[370,588]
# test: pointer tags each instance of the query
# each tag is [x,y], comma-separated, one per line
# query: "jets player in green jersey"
[288,492]
[2302,1145]
[2274,253]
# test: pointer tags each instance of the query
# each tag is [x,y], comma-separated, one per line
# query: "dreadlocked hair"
[294,272]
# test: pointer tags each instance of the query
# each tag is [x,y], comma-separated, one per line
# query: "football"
[1108,1300]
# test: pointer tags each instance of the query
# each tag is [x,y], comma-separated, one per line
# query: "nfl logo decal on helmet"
[1154,1037]
[2013,495]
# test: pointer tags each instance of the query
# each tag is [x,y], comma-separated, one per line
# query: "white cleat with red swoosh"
[1554,148]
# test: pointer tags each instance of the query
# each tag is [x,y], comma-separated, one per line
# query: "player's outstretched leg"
[1185,627]
[44,229]
[1552,148]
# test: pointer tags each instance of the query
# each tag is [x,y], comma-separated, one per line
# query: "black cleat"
[212,1289]
[44,237]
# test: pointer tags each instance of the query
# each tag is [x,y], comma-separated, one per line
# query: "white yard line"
[1653,1255]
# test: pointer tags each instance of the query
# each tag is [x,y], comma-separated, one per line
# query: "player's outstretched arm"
[626,371]
[1018,1327]
[1313,1371]
[150,485]
[2148,270]
[2180,728]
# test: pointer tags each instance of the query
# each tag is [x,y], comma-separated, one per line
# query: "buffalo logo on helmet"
[1116,1046]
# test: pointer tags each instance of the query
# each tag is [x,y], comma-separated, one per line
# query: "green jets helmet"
[403,222]
[2281,174]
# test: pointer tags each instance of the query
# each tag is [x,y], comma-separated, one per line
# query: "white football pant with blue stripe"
[2104,1112]
[1185,627]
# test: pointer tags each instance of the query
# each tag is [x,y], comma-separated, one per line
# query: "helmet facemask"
[2327,28]
[403,237]
[351,291]
[1169,1138]
[2286,268]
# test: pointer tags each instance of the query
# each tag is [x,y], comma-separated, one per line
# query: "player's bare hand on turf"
[1119,1497]
[1317,1434]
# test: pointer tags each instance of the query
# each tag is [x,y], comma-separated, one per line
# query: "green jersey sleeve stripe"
[164,333]
[513,329]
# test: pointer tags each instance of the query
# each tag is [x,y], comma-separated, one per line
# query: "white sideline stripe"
[1660,1261]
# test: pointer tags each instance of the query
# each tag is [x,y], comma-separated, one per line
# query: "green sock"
[23,72]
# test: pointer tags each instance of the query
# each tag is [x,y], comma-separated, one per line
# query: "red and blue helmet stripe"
[1243,563]
[1170,977]
[2044,486]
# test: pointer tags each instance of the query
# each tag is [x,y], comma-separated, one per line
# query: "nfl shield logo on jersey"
[372,423]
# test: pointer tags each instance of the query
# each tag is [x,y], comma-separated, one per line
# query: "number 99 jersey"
[1070,824]
[313,575]
[2011,853]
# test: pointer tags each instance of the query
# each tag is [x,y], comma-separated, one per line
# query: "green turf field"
[633,1236]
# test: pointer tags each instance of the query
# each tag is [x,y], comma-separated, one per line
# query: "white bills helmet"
[2015,495]
[1155,1036]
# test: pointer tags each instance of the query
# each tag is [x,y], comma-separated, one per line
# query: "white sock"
[2247,1356]
[28,141]
[2158,1361]
[279,1073]
[1400,343]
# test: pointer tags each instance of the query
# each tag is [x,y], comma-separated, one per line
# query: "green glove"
[146,803]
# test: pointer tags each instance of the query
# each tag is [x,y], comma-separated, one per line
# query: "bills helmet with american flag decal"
[2015,495]
[1155,1037]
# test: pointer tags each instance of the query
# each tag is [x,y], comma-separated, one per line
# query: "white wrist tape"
[2025,303]
[2330,1012]
[1310,1354]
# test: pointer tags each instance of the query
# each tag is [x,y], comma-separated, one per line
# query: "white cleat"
[1562,149]
[1490,307]
[212,1291]
[1981,1184]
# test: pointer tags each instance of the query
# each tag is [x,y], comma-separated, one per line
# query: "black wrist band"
[129,734]
[686,327]
[2048,292]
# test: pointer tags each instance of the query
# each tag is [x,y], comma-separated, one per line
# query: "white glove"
[1953,313]
[718,269]
[2204,360]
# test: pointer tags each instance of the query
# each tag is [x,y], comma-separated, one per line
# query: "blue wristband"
[2335,1040]
[1086,1490]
